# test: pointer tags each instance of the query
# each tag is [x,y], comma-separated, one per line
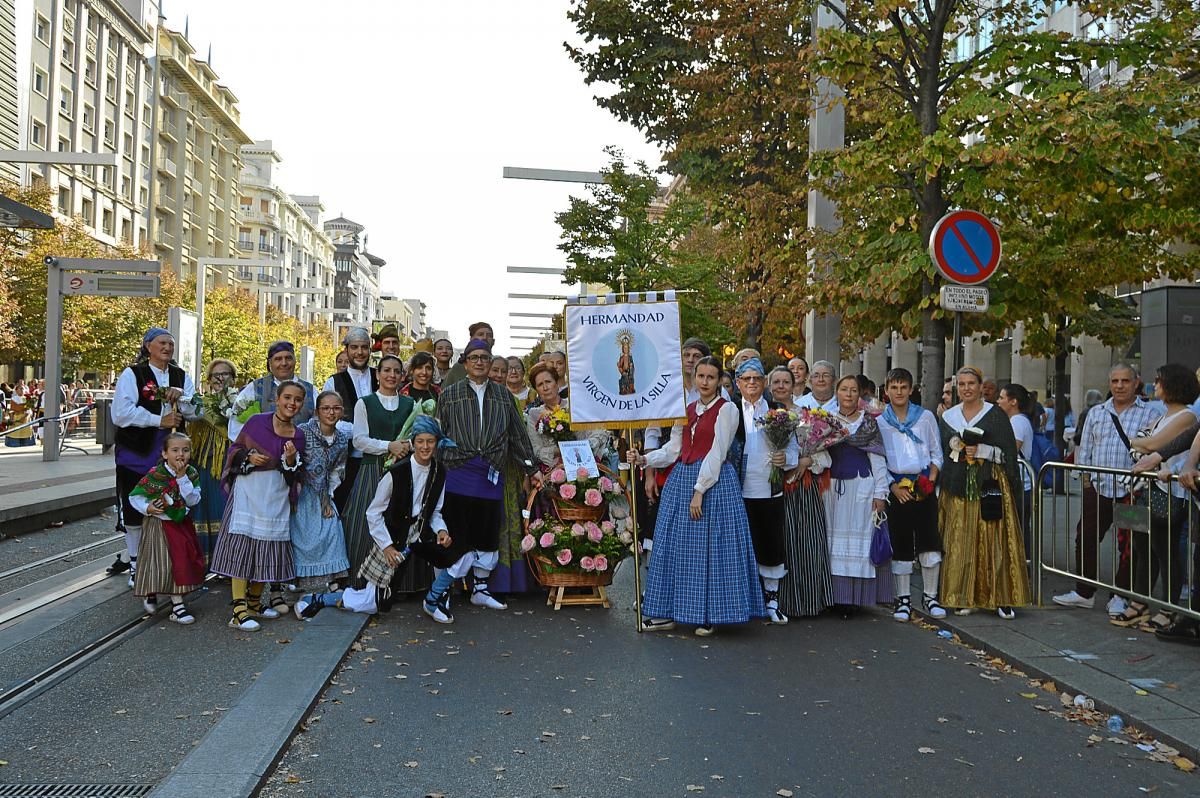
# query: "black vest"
[141,439]
[345,388]
[398,515]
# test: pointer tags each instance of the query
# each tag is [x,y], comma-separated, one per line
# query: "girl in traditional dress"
[984,563]
[856,499]
[808,587]
[703,571]
[210,443]
[262,478]
[318,542]
[169,558]
[378,420]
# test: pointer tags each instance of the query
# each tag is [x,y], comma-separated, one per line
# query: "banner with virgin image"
[623,364]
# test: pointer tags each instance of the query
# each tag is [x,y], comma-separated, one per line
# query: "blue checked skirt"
[703,572]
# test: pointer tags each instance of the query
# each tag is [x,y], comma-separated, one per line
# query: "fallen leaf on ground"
[283,641]
[1028,695]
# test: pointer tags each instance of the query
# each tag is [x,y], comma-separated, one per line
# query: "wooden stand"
[596,595]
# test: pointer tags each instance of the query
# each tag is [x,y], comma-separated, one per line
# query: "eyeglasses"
[820,375]
[478,358]
[516,369]
[222,374]
[749,378]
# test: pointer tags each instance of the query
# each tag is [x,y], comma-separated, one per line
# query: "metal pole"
[631,486]
[958,353]
[53,359]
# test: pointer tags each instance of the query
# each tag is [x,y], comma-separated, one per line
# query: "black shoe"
[1182,630]
[118,567]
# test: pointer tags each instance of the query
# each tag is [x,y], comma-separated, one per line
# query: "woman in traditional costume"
[262,478]
[378,419]
[169,559]
[703,571]
[210,444]
[318,541]
[808,587]
[854,504]
[984,563]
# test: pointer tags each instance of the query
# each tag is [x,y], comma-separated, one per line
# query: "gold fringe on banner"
[640,424]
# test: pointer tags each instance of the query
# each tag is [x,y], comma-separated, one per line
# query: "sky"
[401,115]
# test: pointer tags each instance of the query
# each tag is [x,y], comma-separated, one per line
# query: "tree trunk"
[754,327]
[933,358]
[1062,350]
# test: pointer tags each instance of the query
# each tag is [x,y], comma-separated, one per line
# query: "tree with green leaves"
[714,82]
[1078,147]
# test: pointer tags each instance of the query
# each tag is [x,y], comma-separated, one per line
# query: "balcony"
[268,249]
[166,165]
[246,246]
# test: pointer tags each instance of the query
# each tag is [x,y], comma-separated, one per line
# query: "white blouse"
[362,428]
[383,496]
[728,419]
[956,419]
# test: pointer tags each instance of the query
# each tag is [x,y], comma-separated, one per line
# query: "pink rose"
[595,534]
[567,491]
[558,476]
[537,523]
[592,497]
[527,543]
[600,562]
[581,473]
[587,563]
[577,530]
[547,540]
[608,526]
[606,484]
[564,557]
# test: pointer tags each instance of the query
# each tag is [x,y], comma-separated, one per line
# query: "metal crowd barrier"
[1132,543]
[63,423]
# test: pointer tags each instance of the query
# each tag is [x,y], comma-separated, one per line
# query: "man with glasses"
[481,418]
[821,379]
[754,460]
[479,331]
[358,380]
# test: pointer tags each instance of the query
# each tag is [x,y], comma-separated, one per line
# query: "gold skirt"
[984,561]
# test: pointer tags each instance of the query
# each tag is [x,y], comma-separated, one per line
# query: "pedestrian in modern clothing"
[703,570]
[1016,403]
[1106,440]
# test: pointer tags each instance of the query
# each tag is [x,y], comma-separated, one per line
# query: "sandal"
[1160,621]
[242,620]
[1182,630]
[1132,615]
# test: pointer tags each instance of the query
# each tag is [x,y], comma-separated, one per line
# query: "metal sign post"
[965,247]
[89,277]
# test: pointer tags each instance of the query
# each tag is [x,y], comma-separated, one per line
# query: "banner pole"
[637,562]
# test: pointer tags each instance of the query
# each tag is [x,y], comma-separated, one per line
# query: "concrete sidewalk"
[35,494]
[1153,685]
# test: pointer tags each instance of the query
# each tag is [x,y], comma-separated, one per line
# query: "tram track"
[53,558]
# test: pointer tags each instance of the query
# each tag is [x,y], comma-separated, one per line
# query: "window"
[108,132]
[142,201]
[68,52]
[37,133]
[129,104]
[264,206]
[126,187]
[88,212]
[107,221]
[40,82]
[66,102]
[89,71]
[64,144]
[64,200]
[41,29]
[127,145]
[126,231]
[110,88]
[89,117]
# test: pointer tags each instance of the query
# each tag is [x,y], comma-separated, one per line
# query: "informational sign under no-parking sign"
[965,247]
[964,298]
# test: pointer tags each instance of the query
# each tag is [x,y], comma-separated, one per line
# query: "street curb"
[1127,712]
[28,518]
[237,754]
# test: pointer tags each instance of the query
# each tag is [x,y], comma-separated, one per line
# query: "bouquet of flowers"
[216,407]
[971,436]
[555,424]
[778,426]
[152,391]
[593,491]
[817,431]
[244,408]
[921,488]
[424,408]
[588,546]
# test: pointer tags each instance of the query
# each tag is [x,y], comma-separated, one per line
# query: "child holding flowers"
[913,448]
[169,558]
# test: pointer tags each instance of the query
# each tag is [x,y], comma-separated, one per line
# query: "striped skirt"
[703,572]
[808,587]
[169,558]
[255,542]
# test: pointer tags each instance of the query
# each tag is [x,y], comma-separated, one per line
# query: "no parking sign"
[965,247]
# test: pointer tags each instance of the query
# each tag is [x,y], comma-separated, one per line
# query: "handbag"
[1157,501]
[881,541]
[991,501]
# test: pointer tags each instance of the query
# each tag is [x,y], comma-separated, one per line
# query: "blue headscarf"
[151,334]
[428,425]
[753,364]
[277,347]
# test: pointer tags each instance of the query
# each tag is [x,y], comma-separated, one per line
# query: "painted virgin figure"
[625,364]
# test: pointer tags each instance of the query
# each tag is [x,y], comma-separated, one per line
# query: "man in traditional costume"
[754,461]
[358,380]
[479,331]
[482,419]
[387,340]
[152,398]
[259,395]
[913,447]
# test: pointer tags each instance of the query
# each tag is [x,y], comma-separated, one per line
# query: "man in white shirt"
[1101,443]
[762,495]
[913,447]
[281,363]
[358,380]
[821,379]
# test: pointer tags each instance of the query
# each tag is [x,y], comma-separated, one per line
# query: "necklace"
[281,420]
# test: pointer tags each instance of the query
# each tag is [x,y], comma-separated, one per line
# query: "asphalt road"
[532,702]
